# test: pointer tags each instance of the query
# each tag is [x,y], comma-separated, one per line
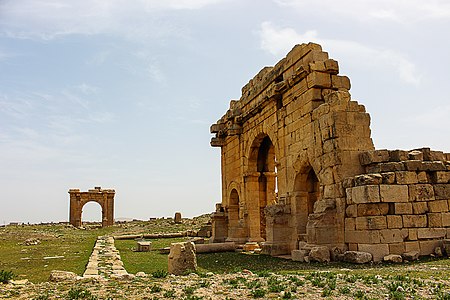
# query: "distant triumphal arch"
[103,197]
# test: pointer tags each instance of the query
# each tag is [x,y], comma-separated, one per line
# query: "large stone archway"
[289,142]
[299,149]
[103,197]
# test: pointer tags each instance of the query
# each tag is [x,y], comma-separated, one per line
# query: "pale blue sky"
[121,94]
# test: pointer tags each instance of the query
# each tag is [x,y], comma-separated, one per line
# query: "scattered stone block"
[144,246]
[177,218]
[393,258]
[320,254]
[378,251]
[182,258]
[411,255]
[58,276]
[357,257]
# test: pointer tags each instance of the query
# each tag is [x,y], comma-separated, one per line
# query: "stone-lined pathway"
[105,260]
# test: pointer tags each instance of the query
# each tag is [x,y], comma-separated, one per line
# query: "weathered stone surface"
[366,194]
[218,247]
[177,218]
[372,209]
[57,276]
[104,197]
[393,258]
[320,254]
[299,255]
[411,255]
[357,257]
[297,129]
[378,251]
[394,193]
[182,258]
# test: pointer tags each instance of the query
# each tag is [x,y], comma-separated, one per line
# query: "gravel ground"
[344,284]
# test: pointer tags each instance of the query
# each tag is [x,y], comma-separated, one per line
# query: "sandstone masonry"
[299,165]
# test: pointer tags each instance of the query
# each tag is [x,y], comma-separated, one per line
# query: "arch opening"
[264,163]
[91,212]
[306,193]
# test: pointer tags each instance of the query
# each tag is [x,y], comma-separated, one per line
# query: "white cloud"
[48,19]
[403,11]
[278,41]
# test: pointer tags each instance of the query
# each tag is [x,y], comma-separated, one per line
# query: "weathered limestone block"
[414,221]
[435,220]
[320,254]
[372,222]
[431,233]
[57,276]
[412,234]
[216,247]
[351,210]
[438,206]
[394,193]
[350,224]
[403,208]
[357,257]
[362,236]
[394,221]
[398,155]
[378,251]
[406,177]
[318,80]
[388,177]
[374,156]
[182,258]
[299,255]
[446,219]
[372,209]
[389,236]
[442,191]
[428,247]
[368,179]
[393,258]
[421,192]
[411,255]
[366,194]
[177,218]
[420,208]
[443,177]
[422,177]
[412,246]
[391,167]
[397,248]
[415,155]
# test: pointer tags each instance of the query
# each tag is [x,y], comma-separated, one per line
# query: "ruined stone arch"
[105,198]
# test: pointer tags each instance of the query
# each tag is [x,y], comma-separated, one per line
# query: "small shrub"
[169,294]
[160,274]
[287,295]
[6,276]
[359,294]
[155,288]
[327,292]
[204,284]
[189,290]
[345,290]
[258,293]
[79,293]
[41,297]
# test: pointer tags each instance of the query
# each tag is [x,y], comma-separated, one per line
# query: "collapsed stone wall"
[400,204]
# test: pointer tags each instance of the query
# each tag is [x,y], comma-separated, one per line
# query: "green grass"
[33,262]
[147,262]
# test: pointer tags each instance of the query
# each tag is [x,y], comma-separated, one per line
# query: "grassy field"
[65,248]
[229,275]
[147,262]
